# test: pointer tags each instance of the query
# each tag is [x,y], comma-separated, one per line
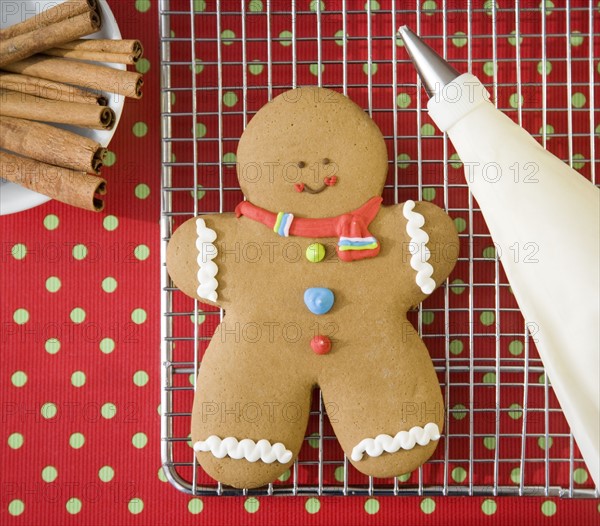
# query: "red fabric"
[108,356]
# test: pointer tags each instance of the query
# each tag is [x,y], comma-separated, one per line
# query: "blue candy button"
[318,300]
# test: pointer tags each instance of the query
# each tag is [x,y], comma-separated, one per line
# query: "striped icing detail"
[283,222]
[278,222]
[357,243]
[364,247]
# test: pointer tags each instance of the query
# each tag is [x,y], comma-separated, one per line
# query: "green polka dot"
[489,253]
[227,37]
[229,158]
[580,476]
[199,5]
[372,506]
[19,378]
[515,475]
[427,130]
[314,69]
[73,506]
[109,285]
[140,378]
[456,162]
[108,410]
[313,440]
[142,191]
[141,252]
[515,347]
[255,6]
[373,4]
[312,505]
[456,347]
[403,100]
[549,130]
[512,40]
[80,252]
[15,440]
[173,99]
[428,7]
[578,100]
[540,67]
[459,411]
[459,39]
[53,284]
[576,38]
[139,440]
[135,506]
[489,442]
[339,37]
[199,192]
[201,318]
[548,508]
[489,378]
[143,66]
[200,130]
[195,506]
[314,4]
[106,473]
[400,160]
[21,316]
[460,224]
[428,194]
[192,379]
[488,5]
[78,379]
[427,317]
[285,38]
[52,345]
[110,159]
[542,379]
[138,316]
[370,71]
[76,440]
[515,101]
[198,67]
[48,410]
[256,69]
[543,445]
[428,505]
[110,223]
[142,5]
[18,251]
[515,411]
[578,157]
[459,474]
[107,345]
[49,474]
[16,507]
[549,6]
[455,289]
[251,504]
[140,129]
[339,473]
[404,477]
[488,68]
[77,315]
[285,475]
[51,222]
[487,318]
[161,475]
[489,506]
[230,99]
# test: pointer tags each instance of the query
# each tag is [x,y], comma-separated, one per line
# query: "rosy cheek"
[330,181]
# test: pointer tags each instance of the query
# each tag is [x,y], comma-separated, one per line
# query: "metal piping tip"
[434,71]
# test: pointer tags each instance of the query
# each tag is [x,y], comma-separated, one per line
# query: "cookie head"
[312,152]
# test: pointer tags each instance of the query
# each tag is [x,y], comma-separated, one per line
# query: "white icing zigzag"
[418,247]
[246,448]
[207,268]
[374,447]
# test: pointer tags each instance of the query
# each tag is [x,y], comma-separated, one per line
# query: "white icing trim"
[246,448]
[418,248]
[374,447]
[207,268]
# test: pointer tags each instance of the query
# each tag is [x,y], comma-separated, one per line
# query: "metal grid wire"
[517,460]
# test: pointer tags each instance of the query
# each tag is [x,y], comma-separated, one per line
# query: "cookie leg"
[248,419]
[387,411]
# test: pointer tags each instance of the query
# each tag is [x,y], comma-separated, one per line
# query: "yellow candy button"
[315,252]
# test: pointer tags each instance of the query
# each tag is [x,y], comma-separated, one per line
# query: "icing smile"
[327,182]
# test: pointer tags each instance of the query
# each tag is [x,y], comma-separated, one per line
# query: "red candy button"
[320,344]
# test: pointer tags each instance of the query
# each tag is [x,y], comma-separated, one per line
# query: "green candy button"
[315,252]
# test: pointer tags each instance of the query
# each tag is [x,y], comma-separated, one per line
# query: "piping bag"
[530,198]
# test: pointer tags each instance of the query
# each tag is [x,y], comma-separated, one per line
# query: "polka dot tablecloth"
[80,310]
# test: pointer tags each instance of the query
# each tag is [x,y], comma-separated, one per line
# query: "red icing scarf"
[354,239]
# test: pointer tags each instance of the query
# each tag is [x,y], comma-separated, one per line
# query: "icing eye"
[301,164]
[326,161]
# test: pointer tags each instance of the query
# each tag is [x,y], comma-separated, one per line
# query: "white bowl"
[15,198]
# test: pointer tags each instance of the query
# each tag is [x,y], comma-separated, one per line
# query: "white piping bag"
[545,219]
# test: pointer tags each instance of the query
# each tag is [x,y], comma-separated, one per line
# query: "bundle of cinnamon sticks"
[48,75]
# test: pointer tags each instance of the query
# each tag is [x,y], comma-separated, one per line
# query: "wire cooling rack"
[504,430]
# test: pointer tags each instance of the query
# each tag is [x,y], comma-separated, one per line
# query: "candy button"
[318,300]
[315,252]
[320,344]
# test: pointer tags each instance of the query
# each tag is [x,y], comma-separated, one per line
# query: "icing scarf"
[354,239]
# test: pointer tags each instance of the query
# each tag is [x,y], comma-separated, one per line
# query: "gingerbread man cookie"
[315,277]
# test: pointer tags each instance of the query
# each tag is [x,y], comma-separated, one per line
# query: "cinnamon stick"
[122,47]
[49,89]
[55,14]
[20,105]
[68,186]
[28,44]
[51,145]
[89,76]
[91,56]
